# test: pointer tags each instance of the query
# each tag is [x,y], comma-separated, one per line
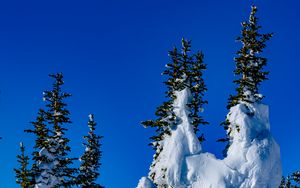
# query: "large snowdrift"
[253,158]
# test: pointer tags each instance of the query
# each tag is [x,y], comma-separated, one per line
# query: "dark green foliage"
[51,145]
[23,175]
[184,71]
[249,63]
[57,116]
[296,177]
[90,160]
[41,132]
[292,181]
[226,126]
[285,182]
[249,68]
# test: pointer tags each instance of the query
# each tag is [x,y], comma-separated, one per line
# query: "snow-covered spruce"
[253,156]
[249,62]
[184,77]
[249,69]
[182,142]
[90,160]
[51,163]
[253,159]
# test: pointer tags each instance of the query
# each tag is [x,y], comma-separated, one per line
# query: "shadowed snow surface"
[253,158]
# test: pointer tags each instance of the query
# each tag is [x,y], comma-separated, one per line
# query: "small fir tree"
[23,175]
[184,71]
[90,160]
[51,166]
[41,132]
[249,67]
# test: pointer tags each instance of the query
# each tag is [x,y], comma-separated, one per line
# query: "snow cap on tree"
[249,69]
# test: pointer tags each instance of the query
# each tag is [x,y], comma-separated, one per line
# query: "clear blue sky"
[112,53]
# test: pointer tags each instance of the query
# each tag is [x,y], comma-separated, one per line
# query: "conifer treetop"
[51,165]
[23,175]
[249,70]
[57,113]
[249,63]
[90,160]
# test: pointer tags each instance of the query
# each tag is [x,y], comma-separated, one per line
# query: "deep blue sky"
[112,53]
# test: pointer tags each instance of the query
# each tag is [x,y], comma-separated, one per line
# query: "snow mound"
[145,183]
[253,158]
[253,153]
[168,168]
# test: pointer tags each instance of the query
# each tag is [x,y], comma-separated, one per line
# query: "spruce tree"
[41,132]
[90,160]
[184,71]
[249,67]
[23,174]
[249,63]
[51,166]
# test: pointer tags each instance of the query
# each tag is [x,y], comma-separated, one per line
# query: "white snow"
[253,159]
[91,117]
[186,142]
[145,183]
[46,179]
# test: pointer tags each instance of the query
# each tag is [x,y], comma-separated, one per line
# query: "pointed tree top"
[91,117]
[57,75]
[91,122]
[58,78]
[253,19]
[186,45]
[253,9]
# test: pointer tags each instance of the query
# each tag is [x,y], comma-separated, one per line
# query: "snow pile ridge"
[145,183]
[168,168]
[253,152]
[253,158]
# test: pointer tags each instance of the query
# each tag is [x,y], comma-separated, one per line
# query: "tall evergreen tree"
[249,67]
[249,64]
[90,160]
[23,175]
[184,71]
[51,166]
